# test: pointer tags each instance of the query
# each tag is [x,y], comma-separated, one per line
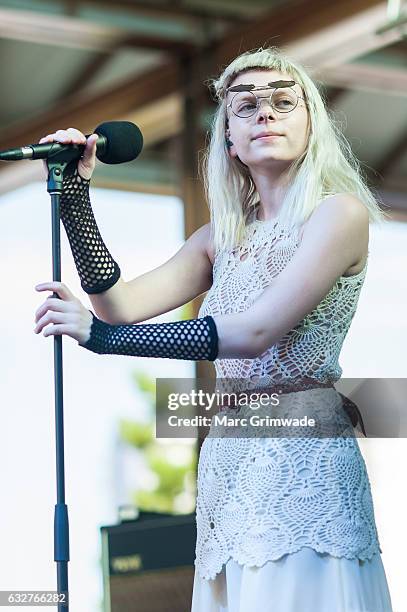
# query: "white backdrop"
[141,232]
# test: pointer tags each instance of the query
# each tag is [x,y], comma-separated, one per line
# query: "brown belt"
[304,384]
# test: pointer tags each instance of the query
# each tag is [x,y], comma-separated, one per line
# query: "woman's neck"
[271,190]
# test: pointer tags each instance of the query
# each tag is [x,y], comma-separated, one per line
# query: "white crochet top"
[260,498]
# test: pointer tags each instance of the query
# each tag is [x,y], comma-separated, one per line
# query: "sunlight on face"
[252,141]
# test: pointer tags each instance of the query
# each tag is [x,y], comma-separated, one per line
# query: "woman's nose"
[265,109]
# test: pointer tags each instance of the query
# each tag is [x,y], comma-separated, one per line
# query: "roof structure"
[81,62]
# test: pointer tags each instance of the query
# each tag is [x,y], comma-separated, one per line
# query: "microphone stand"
[57,163]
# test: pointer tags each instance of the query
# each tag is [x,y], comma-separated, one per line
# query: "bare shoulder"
[344,213]
[207,237]
[343,207]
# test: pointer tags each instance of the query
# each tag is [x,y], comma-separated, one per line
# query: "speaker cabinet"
[148,563]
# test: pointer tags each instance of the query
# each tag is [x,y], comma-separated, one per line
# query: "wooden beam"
[175,11]
[74,32]
[393,184]
[136,186]
[159,120]
[395,199]
[60,31]
[334,95]
[316,30]
[381,80]
[87,111]
[196,211]
[390,159]
[90,71]
[397,50]
[366,77]
[311,19]
[156,43]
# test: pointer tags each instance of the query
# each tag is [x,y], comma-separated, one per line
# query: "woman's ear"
[229,143]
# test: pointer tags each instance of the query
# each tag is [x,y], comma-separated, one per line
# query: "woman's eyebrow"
[242,87]
[250,86]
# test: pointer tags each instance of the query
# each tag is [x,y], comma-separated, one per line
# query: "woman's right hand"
[86,163]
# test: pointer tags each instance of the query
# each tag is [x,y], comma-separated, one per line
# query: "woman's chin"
[269,161]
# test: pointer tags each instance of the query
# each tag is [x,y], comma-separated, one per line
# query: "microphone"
[118,142]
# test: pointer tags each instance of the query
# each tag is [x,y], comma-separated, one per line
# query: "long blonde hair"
[327,166]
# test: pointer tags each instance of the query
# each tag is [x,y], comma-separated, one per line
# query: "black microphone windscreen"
[124,141]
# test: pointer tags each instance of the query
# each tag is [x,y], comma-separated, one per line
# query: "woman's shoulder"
[337,210]
[208,241]
[344,206]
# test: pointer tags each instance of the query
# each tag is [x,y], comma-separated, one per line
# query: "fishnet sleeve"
[193,339]
[97,269]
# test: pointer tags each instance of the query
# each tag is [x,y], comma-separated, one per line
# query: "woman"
[284,525]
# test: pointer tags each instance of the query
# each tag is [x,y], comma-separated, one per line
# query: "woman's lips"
[270,136]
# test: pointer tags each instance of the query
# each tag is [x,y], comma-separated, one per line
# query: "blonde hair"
[327,166]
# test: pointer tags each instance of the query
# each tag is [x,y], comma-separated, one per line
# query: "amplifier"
[148,563]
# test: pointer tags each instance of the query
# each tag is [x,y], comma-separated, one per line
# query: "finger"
[58,287]
[57,330]
[71,135]
[92,139]
[51,317]
[53,304]
[62,307]
[62,135]
[48,138]
[55,317]
[90,149]
[41,310]
[76,135]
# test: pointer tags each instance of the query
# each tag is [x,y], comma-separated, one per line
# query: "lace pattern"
[312,347]
[261,498]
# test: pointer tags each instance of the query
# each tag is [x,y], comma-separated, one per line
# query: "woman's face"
[267,152]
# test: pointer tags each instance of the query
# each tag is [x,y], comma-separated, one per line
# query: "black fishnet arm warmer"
[96,267]
[194,339]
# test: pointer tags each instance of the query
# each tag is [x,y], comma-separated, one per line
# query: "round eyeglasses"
[246,103]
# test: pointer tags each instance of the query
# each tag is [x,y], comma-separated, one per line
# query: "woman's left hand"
[62,316]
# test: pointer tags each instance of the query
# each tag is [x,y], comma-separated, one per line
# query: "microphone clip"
[58,164]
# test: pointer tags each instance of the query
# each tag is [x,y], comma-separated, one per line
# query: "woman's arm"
[336,238]
[176,282]
[186,275]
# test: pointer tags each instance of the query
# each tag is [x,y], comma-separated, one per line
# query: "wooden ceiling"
[79,63]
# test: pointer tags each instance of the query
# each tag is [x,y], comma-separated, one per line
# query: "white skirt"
[306,581]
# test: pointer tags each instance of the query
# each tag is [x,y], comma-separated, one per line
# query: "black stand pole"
[56,166]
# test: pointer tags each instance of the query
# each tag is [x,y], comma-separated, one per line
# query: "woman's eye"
[284,102]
